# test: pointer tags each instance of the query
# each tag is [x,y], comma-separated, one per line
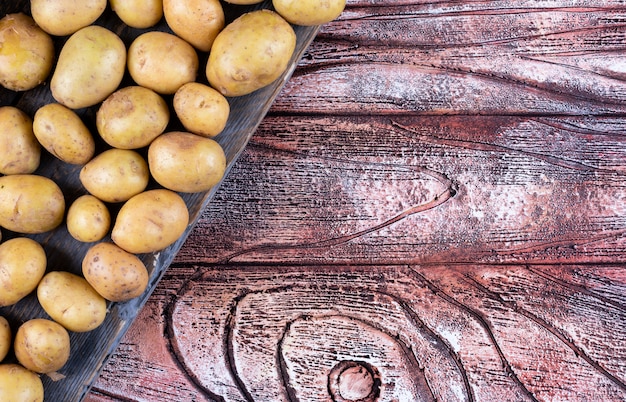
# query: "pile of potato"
[243,56]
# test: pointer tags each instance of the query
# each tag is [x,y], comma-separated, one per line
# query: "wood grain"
[433,209]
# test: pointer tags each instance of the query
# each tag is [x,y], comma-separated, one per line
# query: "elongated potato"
[150,221]
[42,345]
[19,384]
[64,17]
[20,152]
[138,13]
[30,203]
[309,12]
[23,263]
[196,21]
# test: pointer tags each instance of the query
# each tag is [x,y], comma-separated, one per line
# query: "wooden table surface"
[433,209]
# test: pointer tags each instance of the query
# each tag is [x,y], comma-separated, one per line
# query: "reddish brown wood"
[434,209]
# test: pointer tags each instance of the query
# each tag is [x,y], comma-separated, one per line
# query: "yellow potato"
[20,151]
[88,219]
[91,66]
[23,263]
[186,162]
[64,17]
[250,53]
[30,203]
[196,21]
[19,384]
[26,53]
[132,117]
[42,345]
[71,301]
[150,221]
[115,274]
[62,133]
[309,12]
[162,62]
[115,175]
[5,338]
[201,109]
[138,13]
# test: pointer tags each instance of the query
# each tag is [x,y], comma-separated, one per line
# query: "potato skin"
[186,162]
[150,221]
[115,274]
[42,345]
[115,175]
[250,53]
[71,301]
[20,152]
[196,21]
[30,203]
[201,109]
[88,219]
[309,12]
[19,384]
[62,133]
[23,263]
[138,13]
[26,53]
[132,117]
[91,66]
[5,338]
[162,62]
[64,17]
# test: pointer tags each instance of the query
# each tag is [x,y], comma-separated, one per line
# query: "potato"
[88,219]
[62,133]
[309,12]
[201,109]
[162,62]
[250,53]
[115,274]
[244,2]
[138,13]
[30,203]
[26,53]
[91,66]
[132,117]
[186,162]
[20,152]
[196,21]
[71,301]
[64,17]
[115,175]
[42,345]
[150,221]
[19,384]
[23,263]
[5,338]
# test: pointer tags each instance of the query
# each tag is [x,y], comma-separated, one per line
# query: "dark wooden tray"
[91,349]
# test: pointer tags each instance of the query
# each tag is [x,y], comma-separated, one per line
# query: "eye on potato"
[138,13]
[201,109]
[5,338]
[42,345]
[196,21]
[64,17]
[88,219]
[20,152]
[309,12]
[23,263]
[26,53]
[19,384]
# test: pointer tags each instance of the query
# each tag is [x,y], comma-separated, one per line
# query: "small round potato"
[64,17]
[5,338]
[23,263]
[250,53]
[91,66]
[132,117]
[186,162]
[88,219]
[162,62]
[71,301]
[62,133]
[19,384]
[115,274]
[115,175]
[42,345]
[26,53]
[150,221]
[138,13]
[201,109]
[196,21]
[30,203]
[20,152]
[309,12]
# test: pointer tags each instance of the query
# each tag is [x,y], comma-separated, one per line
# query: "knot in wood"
[354,381]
